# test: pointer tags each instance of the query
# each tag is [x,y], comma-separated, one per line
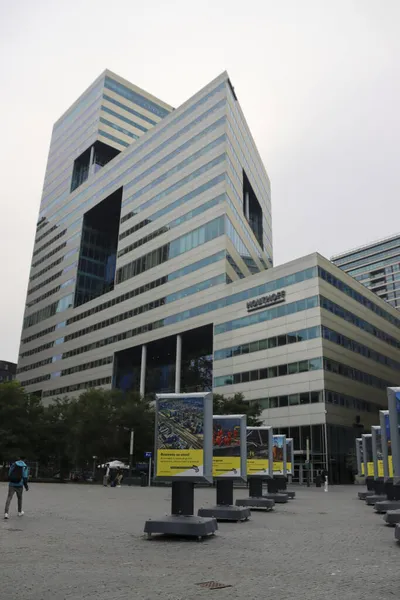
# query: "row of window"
[204,133]
[267,315]
[90,365]
[118,299]
[49,311]
[133,312]
[370,261]
[350,402]
[41,237]
[49,242]
[176,247]
[353,346]
[35,380]
[130,159]
[302,366]
[128,109]
[43,271]
[366,252]
[163,211]
[135,97]
[346,289]
[36,365]
[275,341]
[395,256]
[77,386]
[289,400]
[358,322]
[43,296]
[45,282]
[118,128]
[345,371]
[46,256]
[234,266]
[124,119]
[172,224]
[113,138]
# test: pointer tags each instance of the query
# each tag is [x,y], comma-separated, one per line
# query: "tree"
[237,405]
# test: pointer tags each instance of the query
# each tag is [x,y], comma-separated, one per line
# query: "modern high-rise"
[377,266]
[153,270]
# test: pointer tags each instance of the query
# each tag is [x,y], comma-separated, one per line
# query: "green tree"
[237,405]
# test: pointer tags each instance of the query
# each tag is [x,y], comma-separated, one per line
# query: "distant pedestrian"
[18,479]
[118,477]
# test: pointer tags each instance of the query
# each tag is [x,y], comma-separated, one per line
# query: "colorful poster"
[362,458]
[258,449]
[226,447]
[277,454]
[180,436]
[368,455]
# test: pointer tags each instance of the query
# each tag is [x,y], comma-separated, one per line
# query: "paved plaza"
[86,542]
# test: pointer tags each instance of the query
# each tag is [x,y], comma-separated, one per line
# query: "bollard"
[326,484]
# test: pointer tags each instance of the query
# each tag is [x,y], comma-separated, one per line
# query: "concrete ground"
[86,542]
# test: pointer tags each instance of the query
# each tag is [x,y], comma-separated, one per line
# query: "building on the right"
[377,266]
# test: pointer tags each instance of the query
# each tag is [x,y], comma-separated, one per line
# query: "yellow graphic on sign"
[257,466]
[184,463]
[370,469]
[289,467]
[277,466]
[390,465]
[226,466]
[381,472]
[362,468]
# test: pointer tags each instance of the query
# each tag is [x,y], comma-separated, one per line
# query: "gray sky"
[318,80]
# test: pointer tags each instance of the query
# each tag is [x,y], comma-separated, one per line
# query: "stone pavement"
[86,542]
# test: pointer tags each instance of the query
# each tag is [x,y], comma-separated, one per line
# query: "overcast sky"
[318,81]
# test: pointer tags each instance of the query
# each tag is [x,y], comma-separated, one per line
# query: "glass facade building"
[153,271]
[377,266]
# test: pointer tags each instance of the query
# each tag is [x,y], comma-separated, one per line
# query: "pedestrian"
[118,477]
[18,479]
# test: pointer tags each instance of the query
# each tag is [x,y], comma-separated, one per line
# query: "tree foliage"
[70,432]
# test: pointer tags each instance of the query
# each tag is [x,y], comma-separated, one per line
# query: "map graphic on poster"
[180,434]
[389,445]
[226,447]
[277,453]
[257,451]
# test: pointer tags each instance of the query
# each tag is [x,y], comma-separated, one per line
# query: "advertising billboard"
[377,452]
[259,451]
[367,451]
[289,456]
[279,454]
[385,437]
[183,440]
[229,446]
[359,457]
[394,423]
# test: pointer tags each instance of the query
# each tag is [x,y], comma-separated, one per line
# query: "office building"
[377,266]
[152,271]
[8,371]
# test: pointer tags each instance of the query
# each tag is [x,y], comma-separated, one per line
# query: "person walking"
[18,479]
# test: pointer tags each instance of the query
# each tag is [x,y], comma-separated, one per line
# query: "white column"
[178,364]
[143,370]
[247,206]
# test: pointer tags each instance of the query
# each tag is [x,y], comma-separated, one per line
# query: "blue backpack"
[16,474]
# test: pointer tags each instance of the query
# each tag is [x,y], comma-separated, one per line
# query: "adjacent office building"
[8,371]
[377,266]
[153,270]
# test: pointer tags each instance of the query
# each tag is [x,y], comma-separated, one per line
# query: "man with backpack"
[18,479]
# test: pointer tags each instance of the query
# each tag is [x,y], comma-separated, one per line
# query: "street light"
[94,466]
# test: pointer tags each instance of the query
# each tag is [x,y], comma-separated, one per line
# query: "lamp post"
[94,466]
[131,451]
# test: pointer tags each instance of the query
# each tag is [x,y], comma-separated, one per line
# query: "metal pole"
[143,370]
[178,364]
[131,452]
[308,460]
[150,471]
[326,448]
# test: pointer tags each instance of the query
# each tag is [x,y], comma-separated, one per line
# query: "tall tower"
[146,211]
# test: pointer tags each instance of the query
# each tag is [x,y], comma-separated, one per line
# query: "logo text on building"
[264,301]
